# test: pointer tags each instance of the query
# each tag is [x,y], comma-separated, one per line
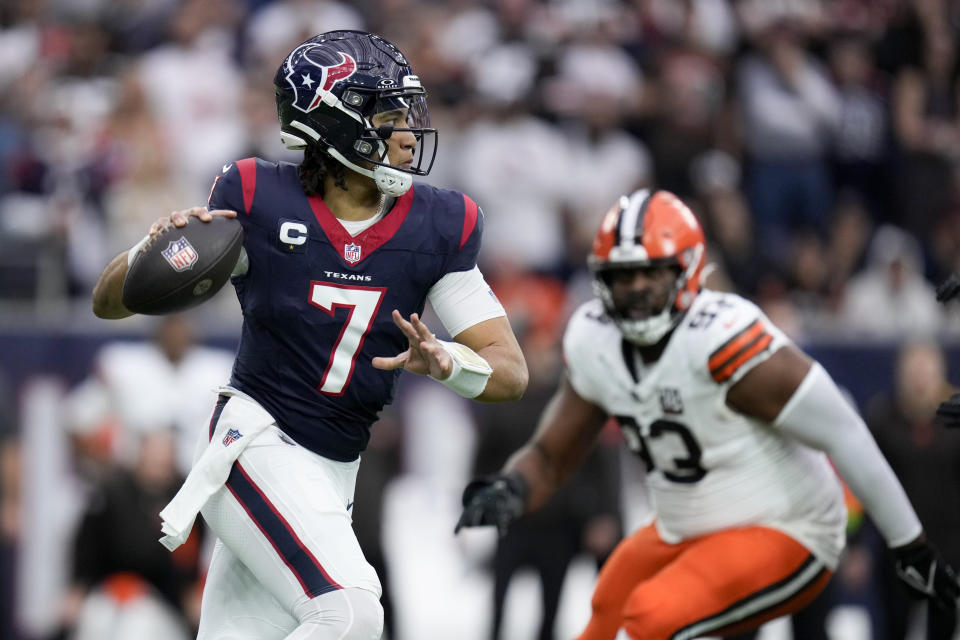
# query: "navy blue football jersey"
[317,302]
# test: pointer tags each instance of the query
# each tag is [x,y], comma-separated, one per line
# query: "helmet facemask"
[646,315]
[648,230]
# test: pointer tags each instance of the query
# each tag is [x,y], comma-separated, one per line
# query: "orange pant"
[719,584]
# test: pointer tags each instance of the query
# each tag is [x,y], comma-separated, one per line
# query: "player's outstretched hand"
[920,567]
[424,355]
[948,413]
[949,288]
[498,501]
[179,218]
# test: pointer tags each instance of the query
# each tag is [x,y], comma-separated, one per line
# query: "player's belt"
[210,471]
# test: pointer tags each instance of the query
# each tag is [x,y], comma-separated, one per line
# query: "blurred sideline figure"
[124,584]
[890,298]
[331,317]
[584,515]
[137,387]
[927,462]
[10,515]
[732,421]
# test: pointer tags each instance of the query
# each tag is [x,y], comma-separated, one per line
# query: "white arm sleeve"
[462,299]
[819,416]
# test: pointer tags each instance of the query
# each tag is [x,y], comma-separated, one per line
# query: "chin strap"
[390,181]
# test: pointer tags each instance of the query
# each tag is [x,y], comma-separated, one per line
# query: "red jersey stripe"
[248,180]
[469,219]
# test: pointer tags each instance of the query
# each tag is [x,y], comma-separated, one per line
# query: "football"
[182,266]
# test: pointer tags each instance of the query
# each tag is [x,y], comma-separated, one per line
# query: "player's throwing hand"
[179,218]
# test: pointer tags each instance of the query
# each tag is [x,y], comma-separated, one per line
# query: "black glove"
[925,574]
[948,413]
[497,500]
[949,288]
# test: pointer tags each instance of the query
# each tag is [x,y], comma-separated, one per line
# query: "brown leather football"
[183,266]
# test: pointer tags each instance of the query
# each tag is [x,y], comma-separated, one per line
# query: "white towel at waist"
[247,419]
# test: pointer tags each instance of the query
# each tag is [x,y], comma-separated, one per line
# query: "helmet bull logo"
[311,83]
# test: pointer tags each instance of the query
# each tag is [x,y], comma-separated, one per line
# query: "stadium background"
[818,140]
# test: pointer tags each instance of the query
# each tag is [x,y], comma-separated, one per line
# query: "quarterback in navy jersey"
[317,301]
[340,255]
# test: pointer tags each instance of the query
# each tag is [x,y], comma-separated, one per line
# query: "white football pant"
[287,564]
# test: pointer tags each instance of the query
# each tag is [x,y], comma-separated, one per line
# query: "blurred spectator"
[759,16]
[517,167]
[277,27]
[861,144]
[927,461]
[789,110]
[890,298]
[850,229]
[117,561]
[138,387]
[688,103]
[593,109]
[194,87]
[725,215]
[808,273]
[10,528]
[582,517]
[926,117]
[137,150]
[381,465]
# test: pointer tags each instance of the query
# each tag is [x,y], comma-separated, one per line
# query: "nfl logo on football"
[231,436]
[180,254]
[351,253]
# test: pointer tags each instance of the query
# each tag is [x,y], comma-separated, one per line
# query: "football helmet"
[328,90]
[649,229]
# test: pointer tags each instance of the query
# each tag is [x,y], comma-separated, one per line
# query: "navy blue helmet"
[330,87]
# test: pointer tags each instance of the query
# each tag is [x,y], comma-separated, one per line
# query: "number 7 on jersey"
[363,304]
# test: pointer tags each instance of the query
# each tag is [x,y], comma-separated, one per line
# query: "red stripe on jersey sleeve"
[212,188]
[248,181]
[469,220]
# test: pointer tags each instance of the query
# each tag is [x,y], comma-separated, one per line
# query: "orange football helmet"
[649,229]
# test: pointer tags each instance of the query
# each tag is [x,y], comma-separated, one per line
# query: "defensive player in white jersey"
[735,425]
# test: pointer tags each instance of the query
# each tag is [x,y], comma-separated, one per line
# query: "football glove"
[498,500]
[949,288]
[920,567]
[948,413]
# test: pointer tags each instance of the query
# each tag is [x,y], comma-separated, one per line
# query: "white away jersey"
[708,467]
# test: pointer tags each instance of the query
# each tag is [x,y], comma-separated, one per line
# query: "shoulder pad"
[731,334]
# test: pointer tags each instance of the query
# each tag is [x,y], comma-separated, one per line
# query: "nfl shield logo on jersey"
[232,435]
[351,253]
[180,254]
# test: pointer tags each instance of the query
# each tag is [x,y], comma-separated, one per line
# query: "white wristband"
[470,371]
[135,249]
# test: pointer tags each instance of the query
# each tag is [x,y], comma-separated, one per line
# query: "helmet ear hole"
[354,99]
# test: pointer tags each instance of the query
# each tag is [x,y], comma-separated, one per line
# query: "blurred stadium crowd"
[818,141]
